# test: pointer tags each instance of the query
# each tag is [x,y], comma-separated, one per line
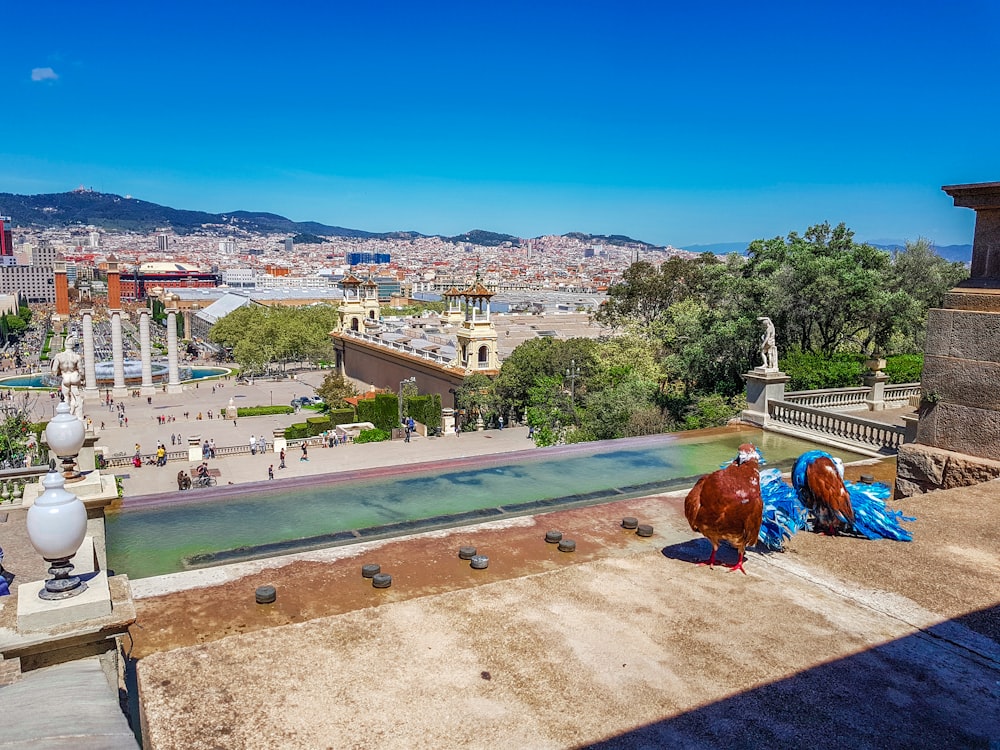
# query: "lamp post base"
[63,583]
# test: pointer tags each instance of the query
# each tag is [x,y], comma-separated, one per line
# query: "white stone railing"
[849,399]
[875,435]
[830,398]
[399,346]
[900,395]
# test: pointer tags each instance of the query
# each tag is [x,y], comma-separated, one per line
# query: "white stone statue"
[768,345]
[66,364]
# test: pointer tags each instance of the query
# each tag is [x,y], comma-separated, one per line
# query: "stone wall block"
[923,468]
[968,430]
[939,324]
[961,381]
[922,463]
[975,336]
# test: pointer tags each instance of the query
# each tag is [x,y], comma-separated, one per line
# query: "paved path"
[143,428]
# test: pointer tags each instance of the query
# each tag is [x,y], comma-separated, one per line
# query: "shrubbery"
[809,372]
[262,411]
[372,436]
[904,368]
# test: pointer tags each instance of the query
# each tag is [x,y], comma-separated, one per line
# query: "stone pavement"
[143,428]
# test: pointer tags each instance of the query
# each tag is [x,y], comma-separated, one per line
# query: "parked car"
[307,401]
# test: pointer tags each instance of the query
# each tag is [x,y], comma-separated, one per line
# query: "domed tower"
[477,336]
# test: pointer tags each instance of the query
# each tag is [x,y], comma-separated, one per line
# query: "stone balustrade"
[849,399]
[879,436]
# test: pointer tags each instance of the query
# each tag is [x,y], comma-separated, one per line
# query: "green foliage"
[262,336]
[425,409]
[24,312]
[382,411]
[812,371]
[372,436]
[15,324]
[335,388]
[297,430]
[904,368]
[713,410]
[262,411]
[341,416]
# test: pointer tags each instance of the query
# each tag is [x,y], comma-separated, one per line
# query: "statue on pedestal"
[66,365]
[768,345]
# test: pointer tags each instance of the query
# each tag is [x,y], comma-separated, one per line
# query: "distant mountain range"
[83,208]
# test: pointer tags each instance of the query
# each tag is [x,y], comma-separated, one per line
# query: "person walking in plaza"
[253,445]
[270,471]
[500,420]
[281,463]
[262,445]
[305,453]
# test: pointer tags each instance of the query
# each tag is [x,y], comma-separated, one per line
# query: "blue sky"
[665,122]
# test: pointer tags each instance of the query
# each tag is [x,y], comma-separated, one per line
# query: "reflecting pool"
[168,533]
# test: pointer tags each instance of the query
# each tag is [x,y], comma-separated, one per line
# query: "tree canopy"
[260,336]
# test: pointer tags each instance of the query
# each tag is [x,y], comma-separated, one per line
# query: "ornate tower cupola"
[452,314]
[352,309]
[369,300]
[477,336]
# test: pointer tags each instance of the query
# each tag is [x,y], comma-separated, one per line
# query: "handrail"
[866,432]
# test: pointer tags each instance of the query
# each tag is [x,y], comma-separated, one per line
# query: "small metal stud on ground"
[466,553]
[553,536]
[479,562]
[867,479]
[381,580]
[266,594]
[629,523]
[567,545]
[644,529]
[368,571]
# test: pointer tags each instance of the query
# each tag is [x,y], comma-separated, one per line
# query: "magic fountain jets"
[105,372]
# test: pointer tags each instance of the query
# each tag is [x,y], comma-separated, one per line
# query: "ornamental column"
[90,389]
[174,380]
[147,388]
[118,355]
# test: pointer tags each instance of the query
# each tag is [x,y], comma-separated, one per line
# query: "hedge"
[341,416]
[372,436]
[425,409]
[261,411]
[382,411]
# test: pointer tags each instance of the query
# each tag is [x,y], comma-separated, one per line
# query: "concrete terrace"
[625,643]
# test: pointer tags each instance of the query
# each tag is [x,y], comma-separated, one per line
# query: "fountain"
[105,372]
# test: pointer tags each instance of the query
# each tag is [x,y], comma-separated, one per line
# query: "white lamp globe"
[57,522]
[65,433]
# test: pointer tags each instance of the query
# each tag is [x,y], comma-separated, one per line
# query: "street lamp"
[57,521]
[65,435]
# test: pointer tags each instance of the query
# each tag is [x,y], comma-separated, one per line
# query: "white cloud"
[43,74]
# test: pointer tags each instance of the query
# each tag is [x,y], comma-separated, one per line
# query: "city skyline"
[663,124]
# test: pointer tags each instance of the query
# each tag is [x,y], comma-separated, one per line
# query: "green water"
[152,541]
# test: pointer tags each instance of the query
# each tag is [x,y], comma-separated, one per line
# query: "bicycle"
[207,481]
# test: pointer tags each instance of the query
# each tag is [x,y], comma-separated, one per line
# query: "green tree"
[335,388]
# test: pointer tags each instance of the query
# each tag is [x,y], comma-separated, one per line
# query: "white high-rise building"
[95,239]
[227,246]
[162,243]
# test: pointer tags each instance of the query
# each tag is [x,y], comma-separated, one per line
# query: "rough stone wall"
[961,383]
[923,468]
